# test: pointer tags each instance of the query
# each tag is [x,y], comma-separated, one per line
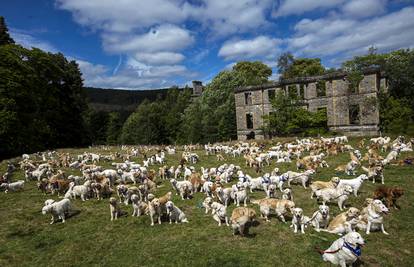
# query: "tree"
[288,117]
[302,67]
[396,115]
[145,125]
[113,128]
[4,33]
[41,101]
[284,62]
[252,73]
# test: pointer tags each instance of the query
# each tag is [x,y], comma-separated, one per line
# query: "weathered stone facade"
[334,94]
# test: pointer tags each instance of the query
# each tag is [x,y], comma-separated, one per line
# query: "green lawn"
[90,238]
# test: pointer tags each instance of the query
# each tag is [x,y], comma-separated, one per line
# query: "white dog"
[207,204]
[298,220]
[58,210]
[16,186]
[339,194]
[78,190]
[320,218]
[287,194]
[184,188]
[344,251]
[174,213]
[271,191]
[224,195]
[219,212]
[372,218]
[241,195]
[302,177]
[354,183]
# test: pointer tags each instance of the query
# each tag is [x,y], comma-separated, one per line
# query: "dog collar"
[356,251]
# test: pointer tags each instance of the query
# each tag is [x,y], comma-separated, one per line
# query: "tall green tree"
[291,67]
[252,73]
[284,62]
[145,125]
[41,101]
[4,33]
[289,117]
[113,128]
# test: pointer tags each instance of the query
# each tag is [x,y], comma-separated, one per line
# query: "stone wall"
[337,101]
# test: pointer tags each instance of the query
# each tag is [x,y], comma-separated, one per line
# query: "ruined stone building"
[348,109]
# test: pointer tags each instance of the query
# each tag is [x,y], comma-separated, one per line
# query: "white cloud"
[364,8]
[161,38]
[338,35]
[124,15]
[160,58]
[222,18]
[261,47]
[198,57]
[28,41]
[298,7]
[91,70]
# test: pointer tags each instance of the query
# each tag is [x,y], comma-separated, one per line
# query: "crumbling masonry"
[348,109]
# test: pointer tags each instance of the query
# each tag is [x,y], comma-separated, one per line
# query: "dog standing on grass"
[114,208]
[240,218]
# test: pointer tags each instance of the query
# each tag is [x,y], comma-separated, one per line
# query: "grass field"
[89,238]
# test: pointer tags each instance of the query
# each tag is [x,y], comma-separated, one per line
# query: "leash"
[356,251]
[313,217]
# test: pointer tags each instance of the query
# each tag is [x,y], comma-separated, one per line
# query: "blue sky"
[141,44]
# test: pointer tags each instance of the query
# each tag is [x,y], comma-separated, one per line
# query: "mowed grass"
[89,238]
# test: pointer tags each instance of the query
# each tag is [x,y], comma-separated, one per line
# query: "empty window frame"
[292,90]
[271,94]
[321,88]
[249,121]
[301,91]
[354,115]
[248,98]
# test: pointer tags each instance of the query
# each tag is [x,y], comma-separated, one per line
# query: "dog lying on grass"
[317,185]
[344,222]
[349,168]
[389,195]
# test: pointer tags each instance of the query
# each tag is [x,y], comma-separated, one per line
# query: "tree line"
[43,106]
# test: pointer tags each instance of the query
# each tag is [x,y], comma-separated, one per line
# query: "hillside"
[121,100]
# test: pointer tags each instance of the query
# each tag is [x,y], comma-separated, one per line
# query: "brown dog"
[389,195]
[240,218]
